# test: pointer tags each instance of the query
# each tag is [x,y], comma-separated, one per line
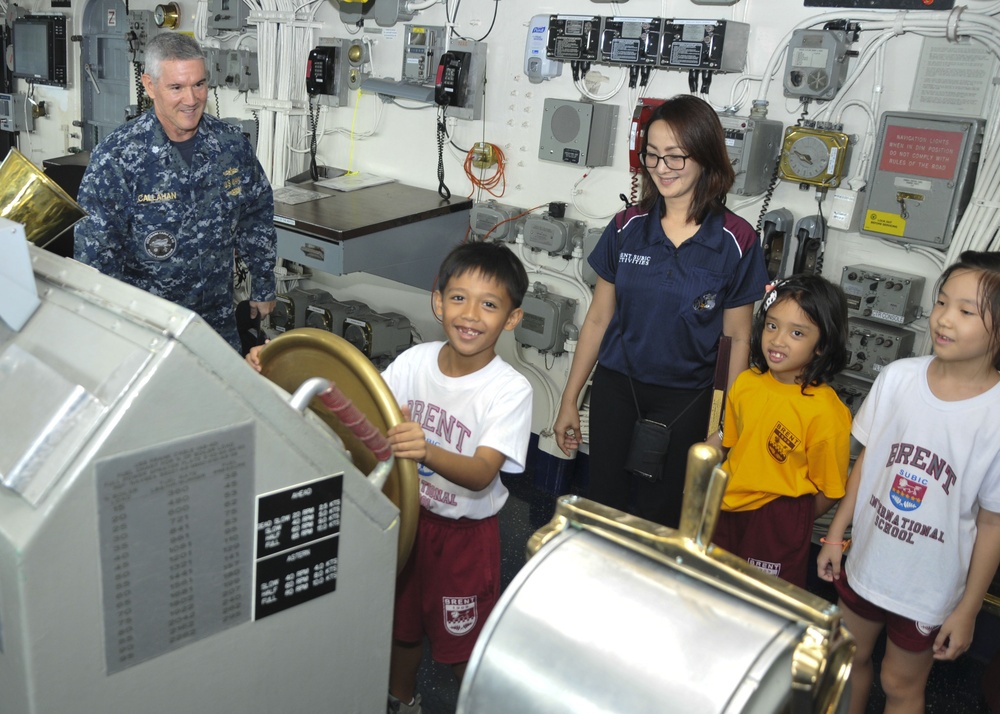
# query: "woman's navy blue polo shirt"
[671,299]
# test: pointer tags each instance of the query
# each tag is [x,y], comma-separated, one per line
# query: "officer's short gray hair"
[171,46]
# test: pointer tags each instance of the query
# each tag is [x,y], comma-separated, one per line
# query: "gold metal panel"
[29,197]
[298,355]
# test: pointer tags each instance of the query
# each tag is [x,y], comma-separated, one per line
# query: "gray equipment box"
[754,146]
[578,133]
[147,475]
[882,295]
[922,177]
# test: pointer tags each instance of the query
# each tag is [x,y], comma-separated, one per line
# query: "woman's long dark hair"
[698,130]
[826,306]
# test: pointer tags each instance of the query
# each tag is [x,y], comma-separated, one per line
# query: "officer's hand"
[261,308]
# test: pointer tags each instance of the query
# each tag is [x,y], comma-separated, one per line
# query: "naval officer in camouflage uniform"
[174,194]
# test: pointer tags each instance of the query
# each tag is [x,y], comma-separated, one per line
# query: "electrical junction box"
[630,40]
[496,220]
[590,239]
[555,236]
[290,308]
[537,66]
[816,64]
[881,295]
[470,101]
[422,49]
[140,31]
[578,133]
[852,391]
[574,38]
[923,175]
[15,114]
[717,45]
[247,126]
[227,16]
[545,320]
[380,336]
[326,313]
[871,346]
[241,70]
[215,67]
[754,147]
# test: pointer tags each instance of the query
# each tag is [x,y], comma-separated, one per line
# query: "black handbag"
[650,439]
[648,450]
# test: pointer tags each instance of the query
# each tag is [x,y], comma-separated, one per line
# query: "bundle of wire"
[490,183]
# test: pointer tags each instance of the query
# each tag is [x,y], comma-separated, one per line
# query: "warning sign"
[881,222]
[921,152]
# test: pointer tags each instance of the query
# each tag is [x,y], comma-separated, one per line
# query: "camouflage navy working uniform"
[171,229]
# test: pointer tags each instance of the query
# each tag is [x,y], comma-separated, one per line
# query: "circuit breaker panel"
[924,173]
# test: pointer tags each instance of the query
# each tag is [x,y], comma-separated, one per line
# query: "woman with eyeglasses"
[675,272]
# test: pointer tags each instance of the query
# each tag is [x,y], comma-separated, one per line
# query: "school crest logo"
[160,245]
[460,614]
[781,442]
[906,494]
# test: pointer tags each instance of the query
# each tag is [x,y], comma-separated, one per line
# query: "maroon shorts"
[774,538]
[449,585]
[906,634]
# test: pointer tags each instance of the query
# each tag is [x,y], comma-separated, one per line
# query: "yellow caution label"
[881,222]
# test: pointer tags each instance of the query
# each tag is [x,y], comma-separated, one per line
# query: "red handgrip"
[355,420]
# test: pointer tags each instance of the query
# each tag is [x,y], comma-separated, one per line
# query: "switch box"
[545,319]
[754,147]
[496,220]
[881,295]
[852,391]
[717,45]
[226,16]
[555,236]
[871,346]
[574,38]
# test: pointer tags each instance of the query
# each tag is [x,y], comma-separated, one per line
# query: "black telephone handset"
[449,85]
[320,70]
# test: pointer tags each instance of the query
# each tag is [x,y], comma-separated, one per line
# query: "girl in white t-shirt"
[924,495]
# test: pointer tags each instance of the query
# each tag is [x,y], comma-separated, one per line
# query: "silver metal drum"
[616,614]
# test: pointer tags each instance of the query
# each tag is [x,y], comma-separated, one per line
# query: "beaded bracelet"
[845,544]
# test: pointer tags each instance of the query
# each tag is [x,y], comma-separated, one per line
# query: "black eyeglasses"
[671,161]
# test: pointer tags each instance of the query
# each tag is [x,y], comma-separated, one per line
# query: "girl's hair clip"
[771,293]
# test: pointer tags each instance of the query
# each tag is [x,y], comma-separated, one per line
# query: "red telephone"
[637,137]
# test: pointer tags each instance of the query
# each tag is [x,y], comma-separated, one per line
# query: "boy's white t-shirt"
[490,407]
[928,466]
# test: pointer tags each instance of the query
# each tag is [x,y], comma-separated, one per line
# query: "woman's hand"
[567,429]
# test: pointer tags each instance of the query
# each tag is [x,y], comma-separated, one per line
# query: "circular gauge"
[9,59]
[168,15]
[816,156]
[808,156]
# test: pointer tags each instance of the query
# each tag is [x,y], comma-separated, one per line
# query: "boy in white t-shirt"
[467,416]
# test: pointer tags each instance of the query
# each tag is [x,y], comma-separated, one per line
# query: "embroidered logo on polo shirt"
[633,259]
[705,301]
